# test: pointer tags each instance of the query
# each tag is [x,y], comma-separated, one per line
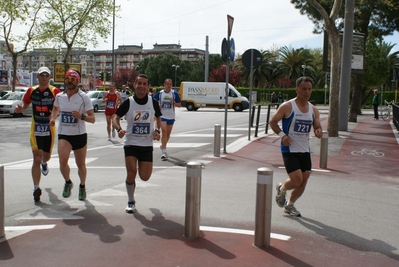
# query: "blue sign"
[232,50]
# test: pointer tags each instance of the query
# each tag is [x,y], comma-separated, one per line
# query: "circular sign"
[225,50]
[253,54]
[232,50]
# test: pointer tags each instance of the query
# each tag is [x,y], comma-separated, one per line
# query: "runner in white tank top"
[297,116]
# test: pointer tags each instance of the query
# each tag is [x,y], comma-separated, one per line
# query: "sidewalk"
[103,236]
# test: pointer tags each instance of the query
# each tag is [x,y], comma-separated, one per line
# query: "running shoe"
[291,210]
[67,189]
[113,133]
[36,194]
[131,207]
[44,168]
[82,193]
[164,155]
[280,197]
[109,138]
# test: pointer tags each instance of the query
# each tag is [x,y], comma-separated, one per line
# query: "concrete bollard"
[216,140]
[193,200]
[263,208]
[2,209]
[324,150]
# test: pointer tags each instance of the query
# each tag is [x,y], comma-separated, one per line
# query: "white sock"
[290,203]
[130,191]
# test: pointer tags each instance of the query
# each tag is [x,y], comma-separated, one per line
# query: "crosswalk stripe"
[203,135]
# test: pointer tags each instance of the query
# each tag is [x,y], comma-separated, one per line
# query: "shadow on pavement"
[348,239]
[166,229]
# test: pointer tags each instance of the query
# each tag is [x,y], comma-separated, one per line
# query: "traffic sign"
[256,58]
[225,50]
[232,50]
[230,21]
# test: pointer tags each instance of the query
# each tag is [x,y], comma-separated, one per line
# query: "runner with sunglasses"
[42,135]
[75,109]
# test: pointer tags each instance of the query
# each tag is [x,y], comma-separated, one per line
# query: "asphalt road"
[349,210]
[192,139]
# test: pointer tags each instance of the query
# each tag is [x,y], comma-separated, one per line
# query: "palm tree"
[262,75]
[293,63]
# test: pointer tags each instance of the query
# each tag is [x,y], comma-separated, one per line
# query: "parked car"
[3,93]
[9,102]
[96,99]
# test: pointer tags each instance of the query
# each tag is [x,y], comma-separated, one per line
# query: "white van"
[196,95]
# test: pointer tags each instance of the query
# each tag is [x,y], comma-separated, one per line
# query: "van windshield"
[232,93]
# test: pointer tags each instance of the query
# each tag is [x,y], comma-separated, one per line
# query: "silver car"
[9,102]
[97,100]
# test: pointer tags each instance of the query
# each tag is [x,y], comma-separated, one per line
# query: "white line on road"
[14,231]
[240,231]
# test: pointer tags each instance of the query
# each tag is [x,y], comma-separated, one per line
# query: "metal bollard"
[2,209]
[263,208]
[324,150]
[193,200]
[216,141]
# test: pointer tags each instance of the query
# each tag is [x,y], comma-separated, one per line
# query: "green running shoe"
[82,193]
[67,189]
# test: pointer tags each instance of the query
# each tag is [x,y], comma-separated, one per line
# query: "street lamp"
[304,69]
[176,67]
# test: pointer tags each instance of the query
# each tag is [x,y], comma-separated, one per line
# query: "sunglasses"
[71,79]
[44,75]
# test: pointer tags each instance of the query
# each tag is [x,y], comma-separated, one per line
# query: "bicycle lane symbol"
[374,153]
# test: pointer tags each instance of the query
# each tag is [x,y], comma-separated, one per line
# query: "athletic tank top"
[111,102]
[140,123]
[297,126]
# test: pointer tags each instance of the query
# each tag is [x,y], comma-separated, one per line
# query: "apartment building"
[95,61]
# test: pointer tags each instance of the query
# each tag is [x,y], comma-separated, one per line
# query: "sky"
[258,24]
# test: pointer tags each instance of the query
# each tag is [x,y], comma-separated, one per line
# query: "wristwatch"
[83,117]
[158,131]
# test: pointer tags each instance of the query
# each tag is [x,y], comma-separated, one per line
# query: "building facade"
[95,61]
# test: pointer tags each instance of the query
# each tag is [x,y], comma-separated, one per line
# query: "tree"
[159,68]
[263,75]
[325,17]
[293,63]
[15,13]
[125,76]
[219,75]
[375,17]
[75,23]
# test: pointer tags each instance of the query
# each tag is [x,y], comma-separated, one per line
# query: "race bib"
[167,105]
[42,129]
[302,126]
[67,119]
[110,104]
[141,128]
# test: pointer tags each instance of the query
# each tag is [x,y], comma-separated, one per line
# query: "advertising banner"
[59,71]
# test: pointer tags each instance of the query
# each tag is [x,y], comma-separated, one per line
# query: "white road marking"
[52,163]
[313,170]
[14,231]
[240,231]
[203,135]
